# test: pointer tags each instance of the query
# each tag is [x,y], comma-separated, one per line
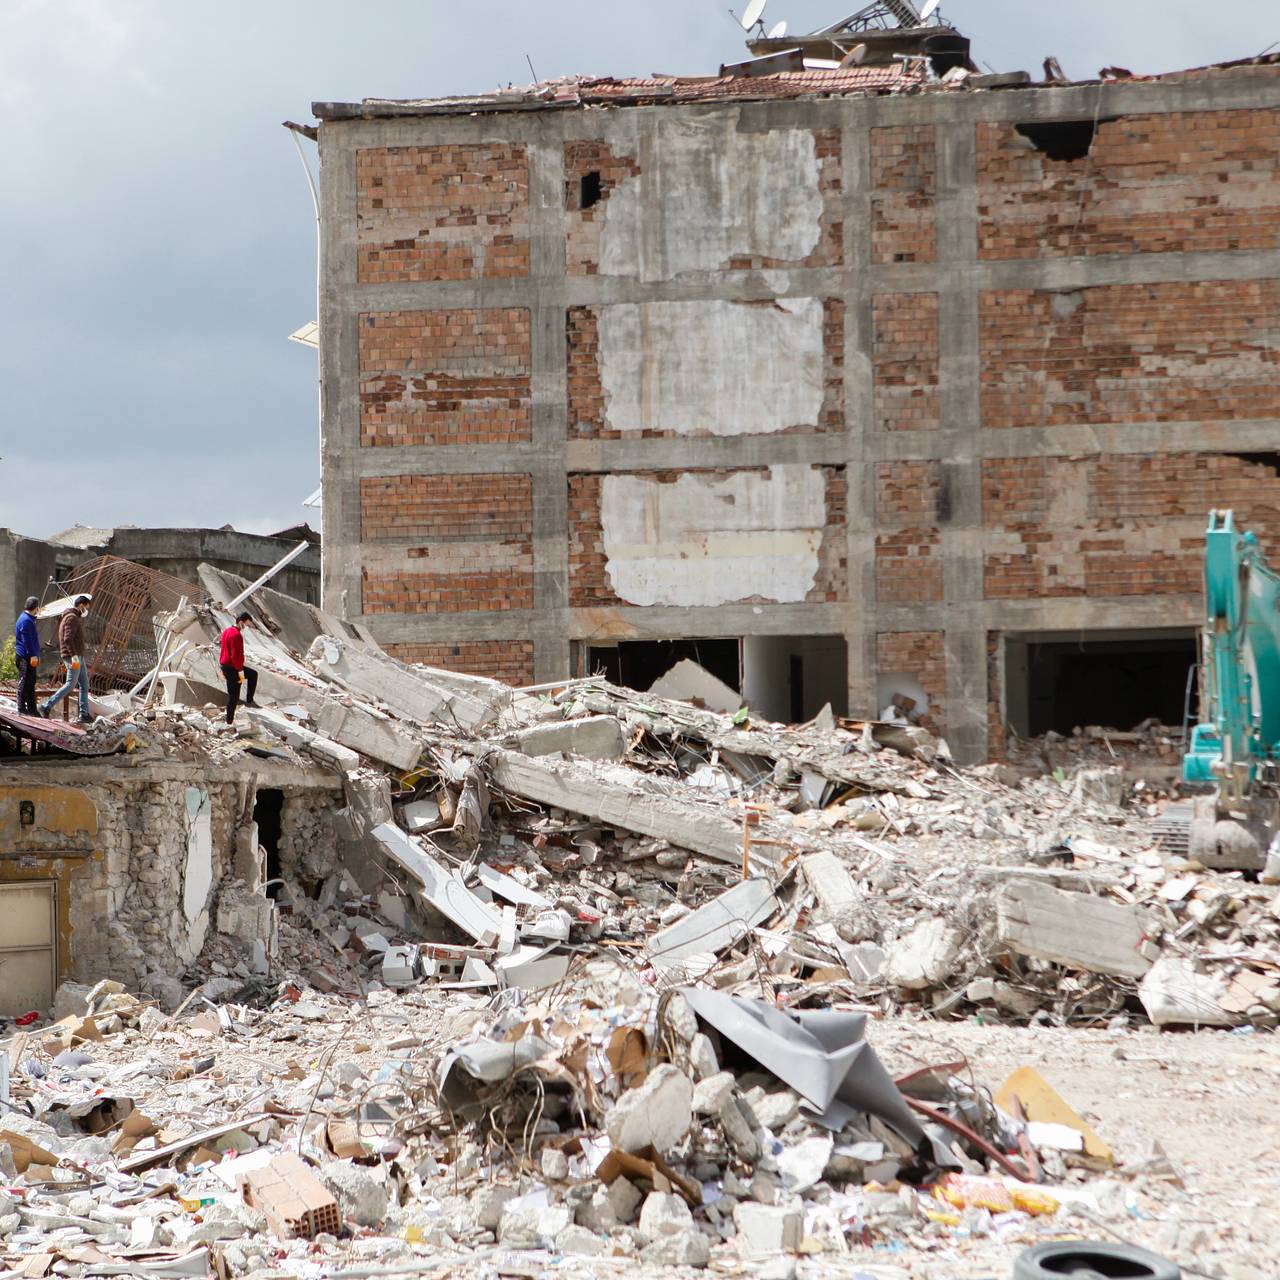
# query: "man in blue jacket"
[27,647]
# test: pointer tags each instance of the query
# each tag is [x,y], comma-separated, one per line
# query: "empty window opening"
[268,809]
[791,678]
[1109,679]
[589,190]
[1271,460]
[1060,139]
[636,664]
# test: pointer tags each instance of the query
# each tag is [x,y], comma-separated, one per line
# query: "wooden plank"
[1071,929]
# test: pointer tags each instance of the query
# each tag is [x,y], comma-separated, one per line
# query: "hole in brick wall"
[589,190]
[1060,139]
[1115,680]
[1271,460]
[791,678]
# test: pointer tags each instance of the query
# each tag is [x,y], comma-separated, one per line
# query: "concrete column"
[957,444]
[548,360]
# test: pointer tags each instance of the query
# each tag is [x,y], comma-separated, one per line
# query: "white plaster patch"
[704,541]
[715,367]
[708,193]
[197,873]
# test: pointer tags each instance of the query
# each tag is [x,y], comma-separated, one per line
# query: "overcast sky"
[157,232]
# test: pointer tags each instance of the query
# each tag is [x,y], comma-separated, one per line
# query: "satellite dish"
[778,30]
[855,56]
[930,8]
[752,13]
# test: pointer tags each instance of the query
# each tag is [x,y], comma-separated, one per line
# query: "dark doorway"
[268,809]
[1099,679]
[636,664]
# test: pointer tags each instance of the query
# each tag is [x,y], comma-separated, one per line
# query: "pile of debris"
[595,979]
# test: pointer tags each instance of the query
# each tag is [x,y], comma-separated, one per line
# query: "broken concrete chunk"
[925,957]
[591,738]
[830,881]
[766,1228]
[711,1093]
[656,1114]
[688,1248]
[664,1214]
[689,682]
[1072,929]
[1175,993]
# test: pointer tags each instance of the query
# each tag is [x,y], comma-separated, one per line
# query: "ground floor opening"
[1116,679]
[788,679]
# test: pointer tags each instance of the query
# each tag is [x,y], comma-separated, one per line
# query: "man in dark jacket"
[27,649]
[71,647]
[234,672]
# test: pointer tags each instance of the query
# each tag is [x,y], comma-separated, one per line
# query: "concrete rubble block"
[591,738]
[362,1195]
[664,1214]
[739,1127]
[400,967]
[711,1093]
[555,1164]
[1103,787]
[689,1248]
[765,1229]
[70,999]
[532,1228]
[830,881]
[657,1113]
[297,735]
[925,957]
[775,1110]
[1072,929]
[702,1059]
[489,1203]
[1175,993]
[578,1242]
[715,926]
[687,681]
[410,692]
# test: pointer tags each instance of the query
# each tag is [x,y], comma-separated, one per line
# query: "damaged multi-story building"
[845,379]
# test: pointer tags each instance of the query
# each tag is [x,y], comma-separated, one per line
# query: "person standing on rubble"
[27,650]
[231,659]
[71,648]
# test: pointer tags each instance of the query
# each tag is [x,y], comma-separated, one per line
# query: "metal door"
[28,946]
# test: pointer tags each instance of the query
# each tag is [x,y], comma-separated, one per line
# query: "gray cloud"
[158,231]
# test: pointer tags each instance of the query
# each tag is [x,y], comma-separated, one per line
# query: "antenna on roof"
[778,30]
[855,56]
[751,15]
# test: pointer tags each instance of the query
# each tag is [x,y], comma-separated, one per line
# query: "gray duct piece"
[820,1053]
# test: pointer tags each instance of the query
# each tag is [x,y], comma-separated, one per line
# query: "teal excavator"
[1236,747]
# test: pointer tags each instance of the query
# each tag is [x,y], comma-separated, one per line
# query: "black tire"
[1085,1260]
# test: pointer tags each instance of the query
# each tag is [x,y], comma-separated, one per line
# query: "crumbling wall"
[308,846]
[1194,181]
[446,212]
[593,172]
[921,656]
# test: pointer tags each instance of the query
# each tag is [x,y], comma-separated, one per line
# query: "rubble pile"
[582,973]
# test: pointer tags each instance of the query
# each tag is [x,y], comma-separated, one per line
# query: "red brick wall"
[1184,352]
[478,543]
[448,212]
[904,177]
[584,225]
[921,654]
[586,389]
[906,361]
[444,377]
[588,575]
[1188,181]
[1115,525]
[908,546]
[508,660]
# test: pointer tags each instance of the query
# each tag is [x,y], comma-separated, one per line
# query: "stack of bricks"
[444,377]
[449,212]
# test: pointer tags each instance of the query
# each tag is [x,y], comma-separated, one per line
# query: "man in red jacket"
[231,659]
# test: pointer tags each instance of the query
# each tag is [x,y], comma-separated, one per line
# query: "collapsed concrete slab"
[1073,929]
[409,691]
[591,738]
[623,798]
